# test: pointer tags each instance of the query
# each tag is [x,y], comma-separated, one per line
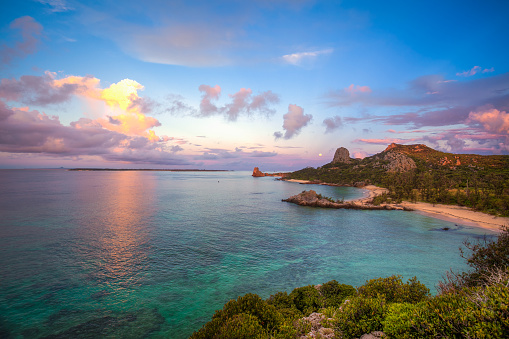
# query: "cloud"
[473,92]
[451,105]
[25,131]
[293,122]
[298,59]
[474,71]
[385,141]
[127,109]
[177,106]
[332,124]
[352,89]
[196,45]
[492,120]
[219,153]
[30,31]
[242,102]
[57,6]
[209,93]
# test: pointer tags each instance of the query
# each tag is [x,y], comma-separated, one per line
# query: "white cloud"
[298,59]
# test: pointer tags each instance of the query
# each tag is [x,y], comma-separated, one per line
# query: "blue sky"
[233,84]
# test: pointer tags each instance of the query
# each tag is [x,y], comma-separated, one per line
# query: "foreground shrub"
[242,313]
[334,294]
[469,313]
[394,291]
[306,299]
[486,256]
[360,315]
[398,321]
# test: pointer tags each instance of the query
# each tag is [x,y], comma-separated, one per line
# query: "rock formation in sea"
[312,199]
[341,156]
[258,173]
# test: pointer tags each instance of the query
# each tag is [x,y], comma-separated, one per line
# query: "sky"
[277,84]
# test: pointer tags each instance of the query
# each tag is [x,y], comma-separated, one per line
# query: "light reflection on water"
[141,254]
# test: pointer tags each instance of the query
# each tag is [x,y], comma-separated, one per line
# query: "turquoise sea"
[153,254]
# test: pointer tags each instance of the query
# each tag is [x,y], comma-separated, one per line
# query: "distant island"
[144,169]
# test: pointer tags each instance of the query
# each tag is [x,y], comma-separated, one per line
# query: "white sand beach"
[452,213]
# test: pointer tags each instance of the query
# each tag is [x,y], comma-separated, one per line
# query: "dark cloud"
[332,124]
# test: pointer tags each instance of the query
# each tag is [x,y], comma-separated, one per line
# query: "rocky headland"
[459,188]
[312,199]
[257,173]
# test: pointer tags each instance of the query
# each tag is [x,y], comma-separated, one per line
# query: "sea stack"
[341,156]
[257,172]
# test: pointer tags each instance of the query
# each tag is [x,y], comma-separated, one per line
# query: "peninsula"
[469,189]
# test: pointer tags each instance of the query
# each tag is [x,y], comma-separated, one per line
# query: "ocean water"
[154,254]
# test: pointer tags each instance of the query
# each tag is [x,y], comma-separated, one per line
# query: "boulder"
[341,156]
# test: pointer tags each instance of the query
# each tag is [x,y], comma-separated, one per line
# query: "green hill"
[418,172]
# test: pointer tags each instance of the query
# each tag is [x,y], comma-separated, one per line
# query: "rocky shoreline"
[312,199]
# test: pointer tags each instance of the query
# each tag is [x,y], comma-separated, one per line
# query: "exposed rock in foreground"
[312,199]
[317,330]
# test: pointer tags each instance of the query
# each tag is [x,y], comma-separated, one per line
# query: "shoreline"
[451,213]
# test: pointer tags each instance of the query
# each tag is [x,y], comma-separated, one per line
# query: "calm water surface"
[153,254]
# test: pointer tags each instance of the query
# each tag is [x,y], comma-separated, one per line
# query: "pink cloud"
[242,102]
[474,70]
[385,141]
[239,102]
[126,108]
[25,131]
[30,32]
[209,93]
[359,154]
[493,120]
[352,89]
[293,122]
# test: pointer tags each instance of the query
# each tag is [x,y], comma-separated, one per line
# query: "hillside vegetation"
[420,173]
[472,304]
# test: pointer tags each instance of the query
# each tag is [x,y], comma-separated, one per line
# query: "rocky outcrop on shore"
[258,173]
[312,199]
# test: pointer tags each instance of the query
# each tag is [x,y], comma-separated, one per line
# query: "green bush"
[306,299]
[334,293]
[470,313]
[486,256]
[399,320]
[360,315]
[241,326]
[251,304]
[394,291]
[281,300]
